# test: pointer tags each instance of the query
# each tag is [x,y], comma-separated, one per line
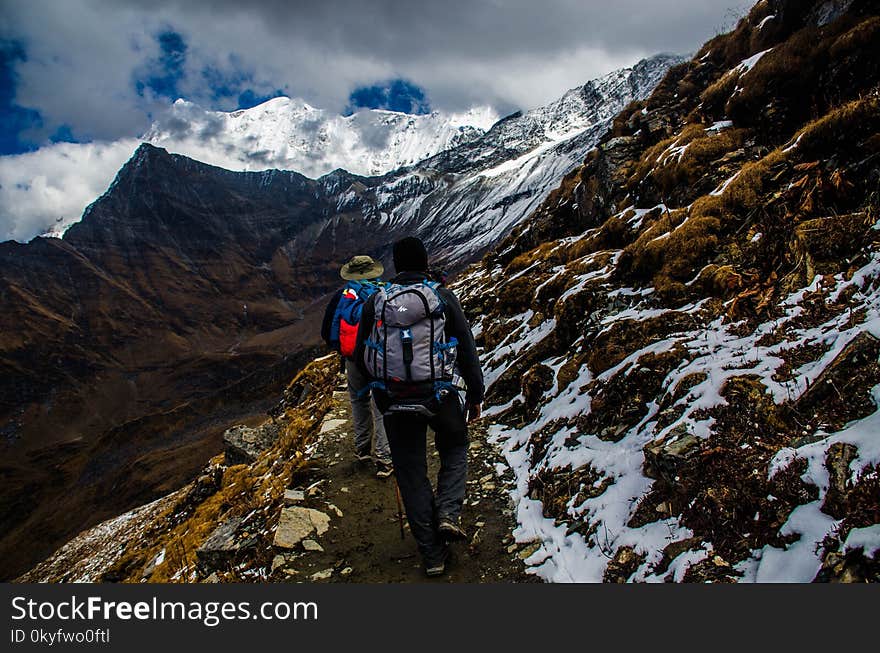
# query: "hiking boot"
[384,469]
[434,568]
[449,529]
[363,456]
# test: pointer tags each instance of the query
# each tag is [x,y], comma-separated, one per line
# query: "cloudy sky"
[99,72]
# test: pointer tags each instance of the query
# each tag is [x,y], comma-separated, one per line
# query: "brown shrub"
[538,254]
[848,126]
[701,151]
[516,296]
[650,158]
[676,257]
[716,95]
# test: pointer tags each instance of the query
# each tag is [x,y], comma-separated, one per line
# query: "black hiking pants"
[407,437]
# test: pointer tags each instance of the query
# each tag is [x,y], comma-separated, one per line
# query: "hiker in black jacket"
[434,518]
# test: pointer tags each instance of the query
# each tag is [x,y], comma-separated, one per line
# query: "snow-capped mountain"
[201,277]
[289,134]
[464,199]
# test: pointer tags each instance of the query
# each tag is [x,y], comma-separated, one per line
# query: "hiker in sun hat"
[339,331]
[416,345]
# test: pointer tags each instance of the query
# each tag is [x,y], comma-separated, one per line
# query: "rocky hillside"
[159,541]
[682,341]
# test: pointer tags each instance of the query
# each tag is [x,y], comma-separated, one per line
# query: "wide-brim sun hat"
[362,267]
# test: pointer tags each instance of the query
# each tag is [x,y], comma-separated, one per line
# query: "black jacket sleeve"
[467,360]
[368,314]
[328,316]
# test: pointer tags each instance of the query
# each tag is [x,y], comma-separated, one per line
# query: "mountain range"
[681,341]
[187,291]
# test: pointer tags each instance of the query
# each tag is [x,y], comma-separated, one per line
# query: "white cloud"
[49,189]
[84,55]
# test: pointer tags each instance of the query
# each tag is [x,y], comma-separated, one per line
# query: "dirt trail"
[363,543]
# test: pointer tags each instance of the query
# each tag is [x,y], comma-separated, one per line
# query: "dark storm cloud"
[107,68]
[392,29]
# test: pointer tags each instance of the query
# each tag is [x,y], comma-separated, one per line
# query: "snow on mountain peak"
[288,133]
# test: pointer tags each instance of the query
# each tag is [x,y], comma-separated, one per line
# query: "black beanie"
[410,255]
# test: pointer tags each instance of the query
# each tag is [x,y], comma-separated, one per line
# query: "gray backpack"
[407,352]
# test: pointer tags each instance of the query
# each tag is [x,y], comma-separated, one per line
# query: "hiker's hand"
[473,412]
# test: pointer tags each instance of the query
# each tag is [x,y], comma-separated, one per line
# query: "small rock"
[623,565]
[292,497]
[278,562]
[346,572]
[311,545]
[488,487]
[335,509]
[213,578]
[297,523]
[480,524]
[529,550]
[487,478]
[664,458]
[322,575]
[512,548]
[245,444]
[330,425]
[222,546]
[344,489]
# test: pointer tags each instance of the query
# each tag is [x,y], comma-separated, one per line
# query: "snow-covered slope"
[466,198]
[289,134]
[682,344]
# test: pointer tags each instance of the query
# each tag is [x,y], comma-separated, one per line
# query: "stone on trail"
[330,425]
[292,497]
[277,562]
[311,545]
[322,575]
[297,523]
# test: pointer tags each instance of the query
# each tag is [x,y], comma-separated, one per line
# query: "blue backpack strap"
[434,285]
[375,385]
[443,388]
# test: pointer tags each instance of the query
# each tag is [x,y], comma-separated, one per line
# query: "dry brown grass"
[691,166]
[651,158]
[854,123]
[542,253]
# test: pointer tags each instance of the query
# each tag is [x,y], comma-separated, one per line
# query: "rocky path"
[362,542]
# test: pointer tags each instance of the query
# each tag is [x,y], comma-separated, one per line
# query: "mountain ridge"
[182,280]
[681,344]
